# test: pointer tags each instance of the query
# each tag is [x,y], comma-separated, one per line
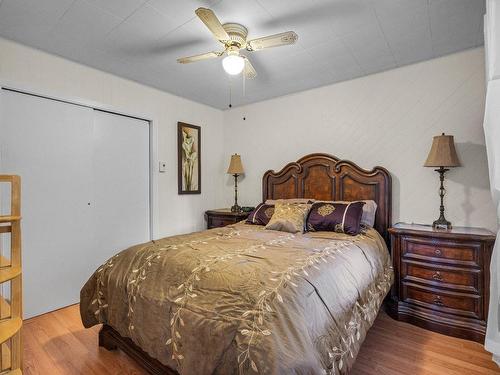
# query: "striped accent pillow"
[261,214]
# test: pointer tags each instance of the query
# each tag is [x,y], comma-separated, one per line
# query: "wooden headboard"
[325,177]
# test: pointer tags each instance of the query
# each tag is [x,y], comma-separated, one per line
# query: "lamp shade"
[235,166]
[442,153]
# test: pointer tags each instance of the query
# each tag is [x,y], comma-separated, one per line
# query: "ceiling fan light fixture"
[233,64]
[233,36]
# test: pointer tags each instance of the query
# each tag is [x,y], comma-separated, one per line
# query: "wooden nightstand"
[223,217]
[442,278]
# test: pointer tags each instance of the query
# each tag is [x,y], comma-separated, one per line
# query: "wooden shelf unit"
[11,271]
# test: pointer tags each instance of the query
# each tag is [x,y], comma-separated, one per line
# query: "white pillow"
[368,215]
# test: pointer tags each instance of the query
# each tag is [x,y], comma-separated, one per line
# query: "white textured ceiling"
[338,39]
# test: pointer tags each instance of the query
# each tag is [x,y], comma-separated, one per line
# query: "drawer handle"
[438,252]
[437,276]
[437,301]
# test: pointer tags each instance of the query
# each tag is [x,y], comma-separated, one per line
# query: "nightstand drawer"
[441,251]
[222,217]
[468,305]
[462,279]
[215,222]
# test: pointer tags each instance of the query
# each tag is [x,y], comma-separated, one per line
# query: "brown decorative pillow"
[288,217]
[335,217]
[261,214]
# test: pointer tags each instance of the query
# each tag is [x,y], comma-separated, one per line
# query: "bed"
[246,300]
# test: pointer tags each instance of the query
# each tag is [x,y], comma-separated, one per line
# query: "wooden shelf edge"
[9,273]
[9,219]
[9,328]
[9,178]
[4,262]
[14,372]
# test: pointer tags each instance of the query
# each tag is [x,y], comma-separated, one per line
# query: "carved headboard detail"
[325,177]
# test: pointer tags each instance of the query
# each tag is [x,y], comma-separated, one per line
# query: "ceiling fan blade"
[203,56]
[249,70]
[276,40]
[211,21]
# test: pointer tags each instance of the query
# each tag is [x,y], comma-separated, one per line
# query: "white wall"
[385,119]
[25,67]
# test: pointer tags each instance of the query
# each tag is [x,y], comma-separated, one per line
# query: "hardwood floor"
[57,344]
[393,347]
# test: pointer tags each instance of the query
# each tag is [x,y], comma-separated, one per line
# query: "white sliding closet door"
[121,188]
[85,191]
[48,143]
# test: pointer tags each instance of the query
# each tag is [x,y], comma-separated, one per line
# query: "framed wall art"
[189,158]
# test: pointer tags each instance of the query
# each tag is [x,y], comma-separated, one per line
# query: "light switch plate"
[163,166]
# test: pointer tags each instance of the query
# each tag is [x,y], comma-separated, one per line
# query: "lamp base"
[441,223]
[235,207]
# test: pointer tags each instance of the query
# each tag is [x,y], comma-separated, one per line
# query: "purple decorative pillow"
[261,214]
[335,217]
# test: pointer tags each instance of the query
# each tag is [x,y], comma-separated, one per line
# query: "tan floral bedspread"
[244,300]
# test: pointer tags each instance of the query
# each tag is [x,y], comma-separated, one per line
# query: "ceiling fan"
[234,38]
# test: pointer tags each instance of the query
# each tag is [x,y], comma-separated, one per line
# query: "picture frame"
[188,158]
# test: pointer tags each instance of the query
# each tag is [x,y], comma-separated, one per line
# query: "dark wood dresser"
[222,217]
[442,278]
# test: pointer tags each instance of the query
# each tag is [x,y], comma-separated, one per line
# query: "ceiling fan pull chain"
[230,93]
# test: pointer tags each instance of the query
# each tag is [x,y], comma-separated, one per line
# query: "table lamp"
[443,156]
[235,168]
